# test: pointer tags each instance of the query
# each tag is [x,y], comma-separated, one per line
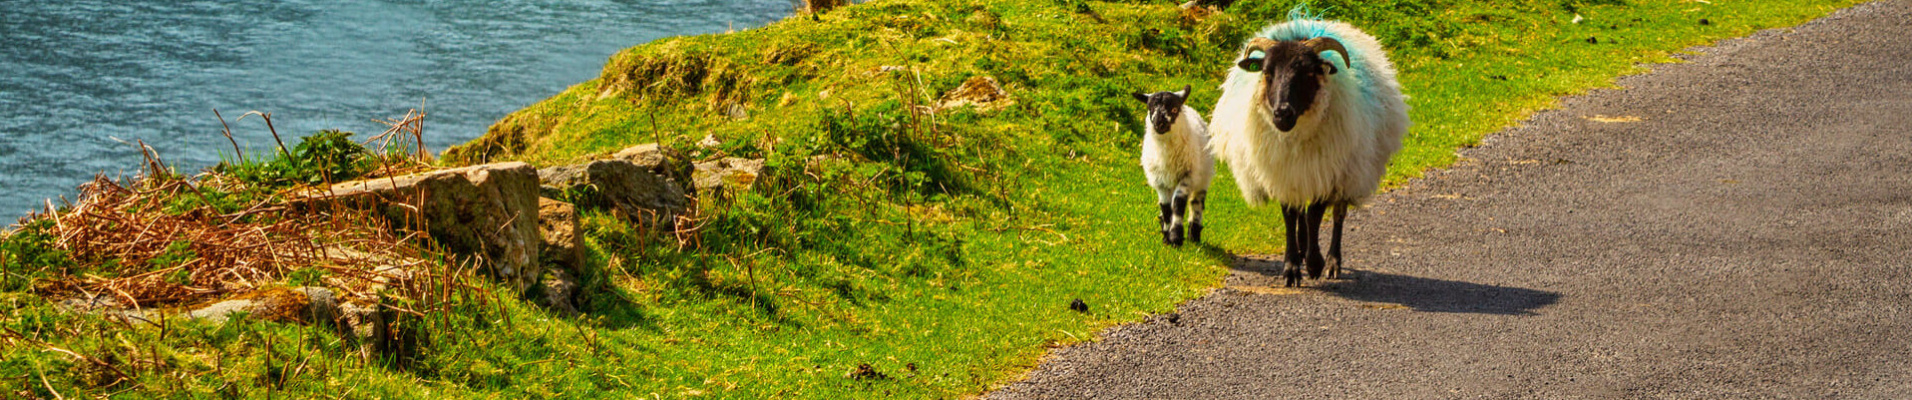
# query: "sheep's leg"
[1181,208]
[1334,242]
[1196,204]
[1312,243]
[1291,260]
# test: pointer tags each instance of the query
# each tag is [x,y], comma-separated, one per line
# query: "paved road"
[1749,237]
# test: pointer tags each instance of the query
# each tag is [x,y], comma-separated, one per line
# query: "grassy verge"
[895,248]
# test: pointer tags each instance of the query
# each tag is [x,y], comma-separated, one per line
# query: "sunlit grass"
[942,249]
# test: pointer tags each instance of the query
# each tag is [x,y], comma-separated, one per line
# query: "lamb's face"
[1164,108]
[1292,76]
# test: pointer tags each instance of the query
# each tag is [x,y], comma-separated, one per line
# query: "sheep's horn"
[1324,43]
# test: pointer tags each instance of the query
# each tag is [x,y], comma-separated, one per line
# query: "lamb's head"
[1164,108]
[1292,76]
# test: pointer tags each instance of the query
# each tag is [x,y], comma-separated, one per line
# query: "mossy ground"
[941,247]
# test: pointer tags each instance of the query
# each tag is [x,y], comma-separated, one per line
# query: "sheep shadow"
[1413,292]
[1439,295]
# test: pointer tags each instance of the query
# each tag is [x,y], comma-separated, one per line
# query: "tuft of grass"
[893,247]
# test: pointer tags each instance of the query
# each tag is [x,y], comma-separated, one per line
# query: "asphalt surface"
[1747,237]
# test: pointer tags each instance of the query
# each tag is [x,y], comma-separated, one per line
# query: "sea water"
[81,80]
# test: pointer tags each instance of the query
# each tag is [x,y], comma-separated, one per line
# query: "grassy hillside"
[895,247]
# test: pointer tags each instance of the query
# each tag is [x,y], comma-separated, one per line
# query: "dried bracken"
[127,227]
[145,249]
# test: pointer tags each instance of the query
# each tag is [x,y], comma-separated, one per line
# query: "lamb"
[1176,160]
[1303,130]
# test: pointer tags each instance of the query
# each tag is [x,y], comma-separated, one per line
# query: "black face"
[1292,75]
[1164,108]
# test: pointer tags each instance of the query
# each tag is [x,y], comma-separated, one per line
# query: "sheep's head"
[1164,108]
[1292,75]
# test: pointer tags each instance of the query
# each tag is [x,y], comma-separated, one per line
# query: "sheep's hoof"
[1334,267]
[1294,277]
[1195,233]
[1175,237]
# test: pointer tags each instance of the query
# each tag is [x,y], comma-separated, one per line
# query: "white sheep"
[1176,160]
[1300,129]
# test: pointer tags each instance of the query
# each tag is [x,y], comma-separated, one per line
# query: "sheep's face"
[1292,75]
[1164,108]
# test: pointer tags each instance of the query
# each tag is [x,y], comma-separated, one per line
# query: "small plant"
[324,156]
[333,155]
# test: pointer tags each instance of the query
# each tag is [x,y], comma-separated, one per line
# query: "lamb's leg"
[1291,260]
[1162,202]
[1334,242]
[1181,209]
[1196,204]
[1312,243]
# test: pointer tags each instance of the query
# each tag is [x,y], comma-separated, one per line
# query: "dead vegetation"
[147,255]
[162,239]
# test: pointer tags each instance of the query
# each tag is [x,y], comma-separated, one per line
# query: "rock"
[648,155]
[1216,5]
[558,224]
[560,292]
[305,305]
[732,172]
[980,91]
[360,319]
[633,193]
[661,161]
[487,213]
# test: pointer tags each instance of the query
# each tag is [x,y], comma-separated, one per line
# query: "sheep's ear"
[1140,97]
[1186,89]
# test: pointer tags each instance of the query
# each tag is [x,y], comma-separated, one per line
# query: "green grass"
[942,248]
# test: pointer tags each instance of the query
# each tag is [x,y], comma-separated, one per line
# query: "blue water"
[80,79]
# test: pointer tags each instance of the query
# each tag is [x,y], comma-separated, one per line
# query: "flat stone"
[631,192]
[660,160]
[728,173]
[304,305]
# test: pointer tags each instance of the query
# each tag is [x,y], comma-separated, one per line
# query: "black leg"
[1291,260]
[1181,210]
[1162,219]
[1197,205]
[1312,229]
[1334,242]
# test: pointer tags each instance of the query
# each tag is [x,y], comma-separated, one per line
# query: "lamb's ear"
[1140,97]
[1186,89]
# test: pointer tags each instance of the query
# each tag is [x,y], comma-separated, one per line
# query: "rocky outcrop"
[661,161]
[632,193]
[729,173]
[487,214]
[558,225]
[558,292]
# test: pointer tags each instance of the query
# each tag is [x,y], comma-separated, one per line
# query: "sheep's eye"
[1253,62]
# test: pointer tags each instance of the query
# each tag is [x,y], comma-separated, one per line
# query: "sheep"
[1177,163]
[1311,134]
